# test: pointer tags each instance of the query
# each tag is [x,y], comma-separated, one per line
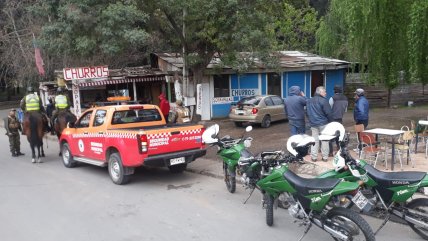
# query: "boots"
[18,153]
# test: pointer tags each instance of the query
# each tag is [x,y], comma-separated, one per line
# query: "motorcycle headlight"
[247,143]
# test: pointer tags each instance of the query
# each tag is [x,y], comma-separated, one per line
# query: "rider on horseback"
[32,102]
[61,103]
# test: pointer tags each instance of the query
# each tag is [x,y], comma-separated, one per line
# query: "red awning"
[121,81]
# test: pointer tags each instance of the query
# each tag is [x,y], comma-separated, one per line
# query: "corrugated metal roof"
[287,59]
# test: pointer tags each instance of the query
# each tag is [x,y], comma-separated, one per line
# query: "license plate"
[239,112]
[360,200]
[175,161]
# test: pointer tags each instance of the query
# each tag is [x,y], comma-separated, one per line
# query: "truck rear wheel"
[116,169]
[179,168]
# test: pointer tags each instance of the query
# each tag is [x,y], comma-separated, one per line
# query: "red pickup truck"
[123,137]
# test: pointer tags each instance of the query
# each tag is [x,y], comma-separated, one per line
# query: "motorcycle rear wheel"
[229,179]
[350,223]
[268,202]
[421,206]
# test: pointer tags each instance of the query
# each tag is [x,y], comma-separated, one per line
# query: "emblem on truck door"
[81,146]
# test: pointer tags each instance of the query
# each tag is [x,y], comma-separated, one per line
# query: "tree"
[295,28]
[92,32]
[373,33]
[202,28]
[417,35]
[17,65]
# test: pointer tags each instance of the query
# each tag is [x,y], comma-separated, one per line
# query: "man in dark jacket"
[295,109]
[339,105]
[361,109]
[319,115]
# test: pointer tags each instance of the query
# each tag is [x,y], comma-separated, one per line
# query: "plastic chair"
[369,147]
[403,144]
[422,131]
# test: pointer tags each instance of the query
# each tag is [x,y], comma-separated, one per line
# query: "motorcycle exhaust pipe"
[410,219]
[330,230]
[335,233]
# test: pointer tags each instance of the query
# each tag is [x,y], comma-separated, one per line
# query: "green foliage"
[373,33]
[83,28]
[213,26]
[417,35]
[295,28]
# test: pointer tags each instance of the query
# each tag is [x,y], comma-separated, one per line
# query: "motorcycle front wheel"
[268,204]
[420,206]
[349,223]
[229,179]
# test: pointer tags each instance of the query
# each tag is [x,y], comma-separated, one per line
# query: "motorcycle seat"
[393,179]
[307,186]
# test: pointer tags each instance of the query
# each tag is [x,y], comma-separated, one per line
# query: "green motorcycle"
[309,199]
[385,193]
[237,159]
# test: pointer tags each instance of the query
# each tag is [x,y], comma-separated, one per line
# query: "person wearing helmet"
[180,115]
[61,103]
[32,102]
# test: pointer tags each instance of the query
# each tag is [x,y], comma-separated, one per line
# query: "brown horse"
[34,129]
[60,123]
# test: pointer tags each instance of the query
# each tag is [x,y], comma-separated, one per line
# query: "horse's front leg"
[43,151]
[33,154]
[39,159]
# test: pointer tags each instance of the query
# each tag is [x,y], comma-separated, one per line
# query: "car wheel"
[116,169]
[266,121]
[238,124]
[67,157]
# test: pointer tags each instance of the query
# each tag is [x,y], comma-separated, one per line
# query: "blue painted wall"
[293,79]
[308,84]
[251,81]
[238,82]
[264,83]
[334,77]
[220,110]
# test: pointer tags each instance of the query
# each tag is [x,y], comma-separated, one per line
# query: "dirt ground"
[275,137]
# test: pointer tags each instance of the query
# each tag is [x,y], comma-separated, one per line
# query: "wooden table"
[420,123]
[387,132]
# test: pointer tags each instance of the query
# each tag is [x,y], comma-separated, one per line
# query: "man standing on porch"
[164,106]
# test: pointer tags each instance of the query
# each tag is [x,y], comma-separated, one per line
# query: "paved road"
[48,202]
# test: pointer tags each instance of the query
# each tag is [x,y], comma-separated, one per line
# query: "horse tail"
[33,130]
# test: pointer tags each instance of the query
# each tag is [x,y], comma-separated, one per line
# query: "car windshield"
[136,116]
[252,100]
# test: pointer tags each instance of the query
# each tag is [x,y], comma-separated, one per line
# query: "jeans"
[324,144]
[297,127]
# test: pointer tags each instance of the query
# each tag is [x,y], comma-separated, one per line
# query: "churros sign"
[85,73]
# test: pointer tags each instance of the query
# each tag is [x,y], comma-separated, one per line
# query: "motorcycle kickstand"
[251,193]
[383,223]
[306,231]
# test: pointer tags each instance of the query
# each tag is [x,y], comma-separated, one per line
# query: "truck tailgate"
[173,139]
